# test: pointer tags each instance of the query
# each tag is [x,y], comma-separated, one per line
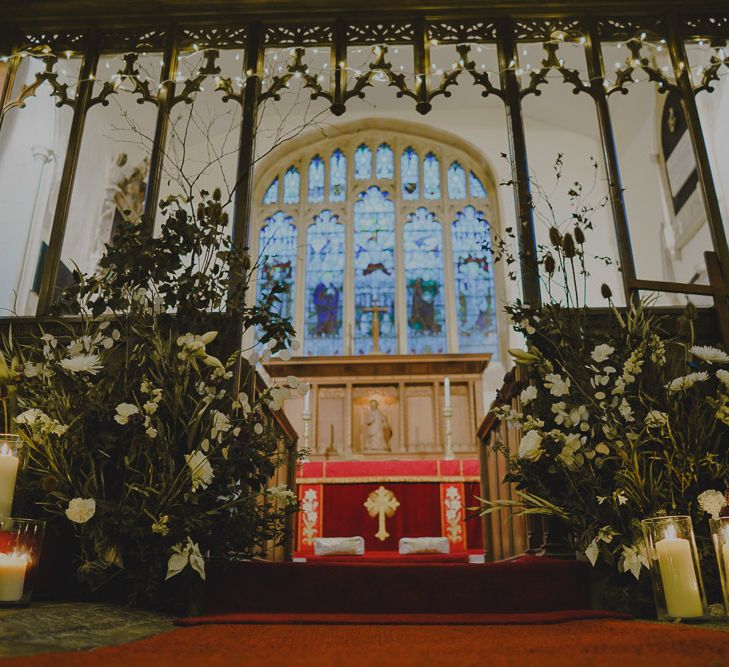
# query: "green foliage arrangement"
[154,450]
[622,416]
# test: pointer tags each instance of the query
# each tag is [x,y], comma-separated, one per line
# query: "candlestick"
[12,576]
[9,461]
[677,585]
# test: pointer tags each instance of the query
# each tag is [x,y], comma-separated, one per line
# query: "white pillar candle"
[12,576]
[307,402]
[447,392]
[680,585]
[8,472]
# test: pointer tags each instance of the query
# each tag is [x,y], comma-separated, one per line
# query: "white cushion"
[424,545]
[339,546]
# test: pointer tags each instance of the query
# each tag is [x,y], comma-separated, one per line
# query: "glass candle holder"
[10,448]
[21,542]
[720,538]
[674,564]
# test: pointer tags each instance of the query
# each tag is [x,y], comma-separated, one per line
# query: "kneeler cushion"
[339,546]
[424,545]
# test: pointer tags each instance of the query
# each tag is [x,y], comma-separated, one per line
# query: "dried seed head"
[606,291]
[549,264]
[579,235]
[555,237]
[568,244]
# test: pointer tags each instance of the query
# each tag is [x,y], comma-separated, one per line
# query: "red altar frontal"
[385,500]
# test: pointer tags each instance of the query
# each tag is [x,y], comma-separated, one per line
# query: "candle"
[12,576]
[680,585]
[447,392]
[307,405]
[8,471]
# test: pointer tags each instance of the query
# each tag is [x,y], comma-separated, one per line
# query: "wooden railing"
[505,535]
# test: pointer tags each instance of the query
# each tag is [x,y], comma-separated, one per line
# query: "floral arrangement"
[144,429]
[621,418]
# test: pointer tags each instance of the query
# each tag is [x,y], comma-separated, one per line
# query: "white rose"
[712,502]
[530,446]
[80,510]
[556,385]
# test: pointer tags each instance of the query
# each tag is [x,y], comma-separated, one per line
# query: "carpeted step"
[526,584]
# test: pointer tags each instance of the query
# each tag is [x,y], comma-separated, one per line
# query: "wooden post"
[65,190]
[519,165]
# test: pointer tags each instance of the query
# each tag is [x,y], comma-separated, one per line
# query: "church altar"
[405,397]
[385,500]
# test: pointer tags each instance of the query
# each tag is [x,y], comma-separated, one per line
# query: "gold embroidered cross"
[381,503]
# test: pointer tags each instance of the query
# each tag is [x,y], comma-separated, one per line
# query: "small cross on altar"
[375,310]
[381,503]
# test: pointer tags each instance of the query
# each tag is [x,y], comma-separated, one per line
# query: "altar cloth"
[426,498]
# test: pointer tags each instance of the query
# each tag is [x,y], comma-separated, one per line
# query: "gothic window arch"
[379,225]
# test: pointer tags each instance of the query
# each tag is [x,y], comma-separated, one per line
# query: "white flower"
[687,381]
[605,534]
[626,411]
[31,370]
[633,560]
[83,363]
[30,416]
[182,555]
[711,355]
[528,394]
[124,411]
[602,353]
[569,455]
[151,432]
[200,470]
[80,510]
[656,419]
[723,376]
[150,407]
[556,385]
[303,388]
[602,448]
[282,494]
[530,446]
[160,526]
[258,428]
[221,425]
[712,502]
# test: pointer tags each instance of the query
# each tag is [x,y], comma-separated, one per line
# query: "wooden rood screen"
[70,50]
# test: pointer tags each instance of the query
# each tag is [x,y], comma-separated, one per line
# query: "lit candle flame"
[670,533]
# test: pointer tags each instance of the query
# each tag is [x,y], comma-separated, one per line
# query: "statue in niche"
[376,431]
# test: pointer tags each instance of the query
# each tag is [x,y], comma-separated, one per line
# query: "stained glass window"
[277,248]
[384,162]
[271,196]
[324,286]
[456,181]
[423,239]
[477,189]
[431,177]
[409,174]
[474,283]
[292,184]
[363,162]
[316,180]
[338,176]
[374,272]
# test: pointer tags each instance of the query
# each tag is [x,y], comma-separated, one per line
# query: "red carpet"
[524,585]
[539,618]
[603,643]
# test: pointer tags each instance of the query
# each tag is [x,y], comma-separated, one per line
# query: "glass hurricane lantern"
[674,565]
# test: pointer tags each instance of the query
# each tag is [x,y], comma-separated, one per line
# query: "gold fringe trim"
[386,478]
